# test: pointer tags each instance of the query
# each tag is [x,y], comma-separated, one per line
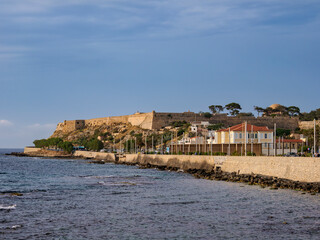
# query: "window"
[266,135]
[240,135]
[266,144]
[256,135]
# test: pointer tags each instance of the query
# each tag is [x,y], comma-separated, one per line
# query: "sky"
[81,59]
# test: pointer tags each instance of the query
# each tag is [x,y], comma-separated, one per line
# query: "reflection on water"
[70,199]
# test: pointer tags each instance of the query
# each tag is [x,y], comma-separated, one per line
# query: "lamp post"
[245,139]
[274,139]
[314,137]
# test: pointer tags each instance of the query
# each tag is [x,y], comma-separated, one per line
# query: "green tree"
[207,115]
[95,145]
[259,110]
[216,108]
[66,146]
[41,143]
[54,142]
[281,109]
[293,111]
[244,114]
[233,108]
[215,126]
[283,132]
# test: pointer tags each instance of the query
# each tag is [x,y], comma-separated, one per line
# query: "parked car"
[291,154]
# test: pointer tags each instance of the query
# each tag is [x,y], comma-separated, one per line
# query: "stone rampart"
[282,122]
[155,120]
[308,124]
[163,119]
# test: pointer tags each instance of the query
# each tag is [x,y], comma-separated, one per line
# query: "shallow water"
[71,199]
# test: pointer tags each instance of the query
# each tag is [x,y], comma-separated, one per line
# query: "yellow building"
[255,134]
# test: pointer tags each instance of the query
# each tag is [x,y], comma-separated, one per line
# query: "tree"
[233,108]
[245,114]
[311,115]
[95,145]
[293,111]
[207,115]
[268,111]
[281,109]
[66,146]
[41,143]
[283,132]
[259,110]
[216,109]
[215,126]
[54,142]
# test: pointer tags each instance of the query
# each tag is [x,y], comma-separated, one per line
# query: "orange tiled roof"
[289,140]
[241,128]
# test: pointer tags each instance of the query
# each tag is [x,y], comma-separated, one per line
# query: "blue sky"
[81,59]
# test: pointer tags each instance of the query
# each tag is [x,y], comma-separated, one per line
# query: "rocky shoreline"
[43,154]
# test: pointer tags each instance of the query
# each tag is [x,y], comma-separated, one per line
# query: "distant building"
[199,126]
[236,134]
[192,140]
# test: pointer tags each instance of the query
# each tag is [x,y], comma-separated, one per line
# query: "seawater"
[72,199]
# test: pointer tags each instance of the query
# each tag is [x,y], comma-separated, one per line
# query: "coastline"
[204,170]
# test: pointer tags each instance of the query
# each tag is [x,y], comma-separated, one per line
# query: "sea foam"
[7,207]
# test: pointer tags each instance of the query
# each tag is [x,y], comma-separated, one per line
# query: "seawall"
[96,155]
[300,169]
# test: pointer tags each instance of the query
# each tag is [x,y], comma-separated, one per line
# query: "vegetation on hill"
[56,143]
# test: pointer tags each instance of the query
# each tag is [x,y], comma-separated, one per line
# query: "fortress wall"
[66,126]
[154,120]
[282,122]
[308,124]
[143,120]
[96,122]
[163,119]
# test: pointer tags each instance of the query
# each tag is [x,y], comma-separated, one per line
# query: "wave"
[7,207]
[175,203]
[111,176]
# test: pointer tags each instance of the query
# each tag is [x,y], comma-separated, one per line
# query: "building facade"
[244,133]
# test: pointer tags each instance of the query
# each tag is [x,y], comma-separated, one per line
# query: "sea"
[74,199]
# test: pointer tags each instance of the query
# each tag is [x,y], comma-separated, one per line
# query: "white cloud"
[153,17]
[5,123]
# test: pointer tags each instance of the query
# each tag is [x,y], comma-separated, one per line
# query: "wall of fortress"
[163,119]
[156,120]
[282,122]
[308,124]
